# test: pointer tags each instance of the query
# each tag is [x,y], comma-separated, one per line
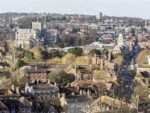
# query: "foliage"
[75,39]
[20,63]
[83,60]
[99,74]
[133,73]
[142,92]
[75,30]
[28,56]
[117,55]
[4,82]
[118,61]
[61,77]
[37,53]
[55,60]
[61,45]
[103,52]
[95,51]
[54,54]
[144,66]
[68,59]
[76,51]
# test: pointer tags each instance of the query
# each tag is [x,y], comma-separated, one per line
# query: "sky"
[130,8]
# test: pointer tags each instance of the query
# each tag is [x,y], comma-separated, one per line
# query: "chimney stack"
[101,65]
[17,90]
[49,81]
[58,95]
[81,92]
[109,56]
[13,87]
[90,67]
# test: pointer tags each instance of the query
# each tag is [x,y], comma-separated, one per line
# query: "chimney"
[101,65]
[49,81]
[81,92]
[55,84]
[63,101]
[63,95]
[75,70]
[58,95]
[17,90]
[90,67]
[35,67]
[88,92]
[13,87]
[109,56]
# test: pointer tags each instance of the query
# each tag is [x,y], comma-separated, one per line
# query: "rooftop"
[2,106]
[44,87]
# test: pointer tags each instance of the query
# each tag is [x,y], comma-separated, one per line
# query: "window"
[29,109]
[12,109]
[23,109]
[53,96]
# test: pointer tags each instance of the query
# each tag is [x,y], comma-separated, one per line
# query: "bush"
[95,51]
[28,56]
[61,77]
[69,59]
[20,63]
[76,51]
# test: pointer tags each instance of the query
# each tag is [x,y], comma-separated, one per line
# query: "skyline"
[129,8]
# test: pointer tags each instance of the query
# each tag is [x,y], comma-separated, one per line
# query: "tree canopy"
[61,77]
[76,51]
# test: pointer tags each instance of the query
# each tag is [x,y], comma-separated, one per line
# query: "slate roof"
[24,102]
[2,106]
[44,87]
[35,71]
[79,98]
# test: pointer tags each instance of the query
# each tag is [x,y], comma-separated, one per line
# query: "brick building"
[36,75]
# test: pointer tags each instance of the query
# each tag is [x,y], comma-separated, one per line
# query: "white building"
[99,16]
[26,38]
[36,26]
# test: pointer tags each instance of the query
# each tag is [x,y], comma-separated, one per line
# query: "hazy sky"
[133,8]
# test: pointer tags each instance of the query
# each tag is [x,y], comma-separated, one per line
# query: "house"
[42,91]
[103,61]
[56,105]
[143,102]
[109,104]
[36,75]
[14,104]
[77,103]
[3,108]
[21,105]
[143,77]
[80,72]
[85,88]
[143,74]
